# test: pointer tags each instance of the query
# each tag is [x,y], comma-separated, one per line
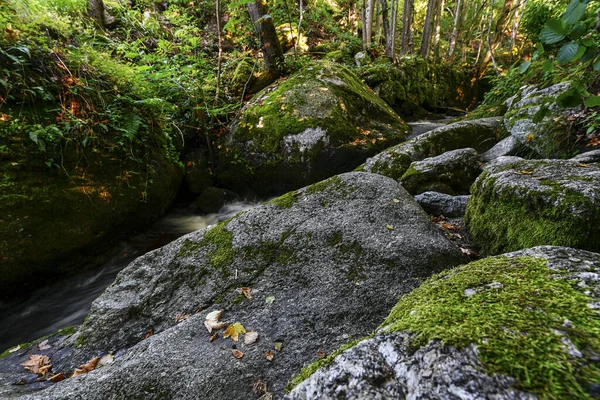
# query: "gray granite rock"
[437,204]
[537,122]
[506,147]
[518,204]
[452,172]
[325,265]
[588,157]
[395,365]
[394,162]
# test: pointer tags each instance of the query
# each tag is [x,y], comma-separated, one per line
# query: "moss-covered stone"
[242,75]
[528,203]
[319,122]
[514,311]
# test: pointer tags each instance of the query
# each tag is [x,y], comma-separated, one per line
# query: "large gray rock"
[537,122]
[559,291]
[325,265]
[394,162]
[506,147]
[319,122]
[437,204]
[588,157]
[518,204]
[452,173]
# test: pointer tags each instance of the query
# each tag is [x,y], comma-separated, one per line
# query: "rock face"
[537,122]
[519,203]
[452,173]
[437,204]
[436,342]
[589,157]
[319,122]
[325,264]
[506,147]
[395,161]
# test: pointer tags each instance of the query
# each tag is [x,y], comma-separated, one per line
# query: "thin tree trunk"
[519,10]
[454,35]
[426,38]
[495,39]
[391,37]
[438,18]
[95,10]
[269,43]
[406,25]
[368,24]
[220,58]
[298,32]
[489,41]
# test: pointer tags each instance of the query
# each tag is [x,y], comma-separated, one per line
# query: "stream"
[67,302]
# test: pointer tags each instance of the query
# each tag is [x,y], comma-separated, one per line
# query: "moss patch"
[287,200]
[513,325]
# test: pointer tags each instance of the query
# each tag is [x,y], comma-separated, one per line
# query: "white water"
[67,302]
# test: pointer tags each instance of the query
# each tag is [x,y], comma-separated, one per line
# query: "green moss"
[68,331]
[219,239]
[508,220]
[335,239]
[513,326]
[287,200]
[313,367]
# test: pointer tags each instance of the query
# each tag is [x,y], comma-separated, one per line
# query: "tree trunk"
[407,19]
[368,22]
[455,28]
[426,39]
[220,57]
[298,31]
[391,36]
[438,18]
[495,39]
[519,10]
[95,10]
[269,43]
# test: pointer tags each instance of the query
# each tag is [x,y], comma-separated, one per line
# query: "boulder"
[319,122]
[362,58]
[307,271]
[438,204]
[452,172]
[588,157]
[394,162]
[517,326]
[538,122]
[518,203]
[243,75]
[508,146]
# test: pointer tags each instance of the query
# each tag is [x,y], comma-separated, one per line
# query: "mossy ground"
[506,220]
[514,326]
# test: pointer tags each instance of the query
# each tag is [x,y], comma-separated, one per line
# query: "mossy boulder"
[452,172]
[394,162]
[319,122]
[242,75]
[321,266]
[520,326]
[517,204]
[52,218]
[539,123]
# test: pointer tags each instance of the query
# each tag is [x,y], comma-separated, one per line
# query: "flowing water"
[67,302]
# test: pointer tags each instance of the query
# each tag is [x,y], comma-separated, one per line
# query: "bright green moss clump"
[513,324]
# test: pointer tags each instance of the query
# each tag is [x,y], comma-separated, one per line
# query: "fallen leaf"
[525,172]
[212,321]
[14,349]
[213,337]
[181,317]
[278,346]
[594,142]
[44,345]
[37,364]
[237,353]
[250,337]
[448,226]
[149,333]
[469,252]
[321,354]
[269,300]
[198,310]
[389,227]
[233,331]
[530,137]
[269,355]
[77,372]
[246,291]
[583,165]
[57,377]
[436,219]
[259,387]
[396,200]
[266,396]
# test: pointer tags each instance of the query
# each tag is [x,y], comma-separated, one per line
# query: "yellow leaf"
[233,331]
[530,137]
[396,200]
[389,227]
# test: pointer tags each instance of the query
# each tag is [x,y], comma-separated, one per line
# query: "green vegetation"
[514,324]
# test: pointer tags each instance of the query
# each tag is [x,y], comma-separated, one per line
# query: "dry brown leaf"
[237,354]
[269,355]
[583,165]
[266,396]
[181,317]
[246,291]
[250,337]
[149,333]
[212,321]
[90,365]
[259,387]
[213,337]
[469,252]
[525,172]
[57,377]
[321,354]
[77,372]
[233,331]
[448,226]
[594,142]
[37,364]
